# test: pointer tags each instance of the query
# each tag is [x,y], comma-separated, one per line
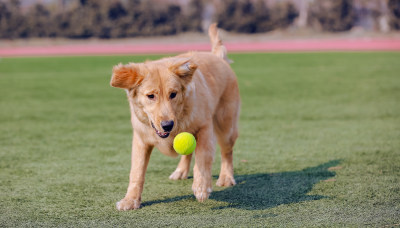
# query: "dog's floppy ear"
[184,69]
[125,76]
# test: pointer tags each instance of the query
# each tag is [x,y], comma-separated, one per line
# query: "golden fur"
[199,93]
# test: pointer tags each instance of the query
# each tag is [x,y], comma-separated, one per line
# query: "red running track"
[157,48]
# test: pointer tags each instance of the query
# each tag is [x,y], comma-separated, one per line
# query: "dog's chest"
[165,147]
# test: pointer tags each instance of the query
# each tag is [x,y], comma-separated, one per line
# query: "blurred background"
[106,19]
[319,131]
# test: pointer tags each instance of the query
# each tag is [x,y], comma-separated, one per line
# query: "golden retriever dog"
[196,92]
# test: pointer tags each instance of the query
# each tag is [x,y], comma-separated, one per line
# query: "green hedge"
[118,18]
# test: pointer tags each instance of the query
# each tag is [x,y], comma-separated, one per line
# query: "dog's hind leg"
[181,172]
[226,143]
[226,129]
[226,140]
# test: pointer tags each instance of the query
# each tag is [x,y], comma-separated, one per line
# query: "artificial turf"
[319,145]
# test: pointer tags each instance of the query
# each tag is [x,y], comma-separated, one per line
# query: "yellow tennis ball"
[184,143]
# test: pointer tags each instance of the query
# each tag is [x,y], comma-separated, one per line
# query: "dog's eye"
[172,95]
[150,96]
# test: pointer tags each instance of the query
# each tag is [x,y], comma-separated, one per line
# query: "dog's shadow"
[267,190]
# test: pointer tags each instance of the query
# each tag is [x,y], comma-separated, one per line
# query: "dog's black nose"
[167,125]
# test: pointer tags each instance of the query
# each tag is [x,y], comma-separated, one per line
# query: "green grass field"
[319,145]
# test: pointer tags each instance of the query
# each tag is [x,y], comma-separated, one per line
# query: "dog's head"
[157,90]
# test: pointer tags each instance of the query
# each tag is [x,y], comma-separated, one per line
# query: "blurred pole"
[301,21]
[383,19]
[207,15]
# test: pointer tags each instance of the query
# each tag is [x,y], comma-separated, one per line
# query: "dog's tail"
[218,48]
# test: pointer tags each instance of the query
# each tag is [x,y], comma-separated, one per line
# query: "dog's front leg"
[140,158]
[204,156]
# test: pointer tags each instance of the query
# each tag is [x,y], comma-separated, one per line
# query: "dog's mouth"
[159,133]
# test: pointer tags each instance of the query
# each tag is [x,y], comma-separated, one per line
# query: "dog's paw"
[226,181]
[128,204]
[202,192]
[179,175]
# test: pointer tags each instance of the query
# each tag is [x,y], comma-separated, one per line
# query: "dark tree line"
[394,8]
[120,18]
[254,16]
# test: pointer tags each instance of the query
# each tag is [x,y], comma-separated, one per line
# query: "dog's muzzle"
[159,133]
